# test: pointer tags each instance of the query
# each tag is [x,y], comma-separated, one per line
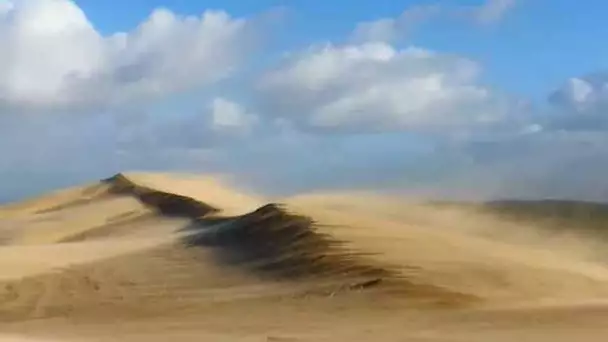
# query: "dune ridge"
[281,244]
[165,203]
[269,238]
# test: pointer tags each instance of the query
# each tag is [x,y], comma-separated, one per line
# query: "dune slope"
[161,256]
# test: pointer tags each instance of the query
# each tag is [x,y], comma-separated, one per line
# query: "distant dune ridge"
[185,254]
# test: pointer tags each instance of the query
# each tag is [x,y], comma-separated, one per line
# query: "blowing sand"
[157,257]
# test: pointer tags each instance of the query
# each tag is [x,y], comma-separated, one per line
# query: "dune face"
[155,257]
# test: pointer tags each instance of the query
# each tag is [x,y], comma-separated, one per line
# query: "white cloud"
[580,104]
[493,11]
[580,90]
[53,56]
[583,93]
[383,30]
[228,115]
[374,86]
[390,29]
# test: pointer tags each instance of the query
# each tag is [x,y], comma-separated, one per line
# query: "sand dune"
[156,256]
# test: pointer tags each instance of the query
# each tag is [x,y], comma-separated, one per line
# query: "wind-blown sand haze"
[157,257]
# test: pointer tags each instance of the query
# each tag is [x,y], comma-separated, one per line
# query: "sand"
[158,257]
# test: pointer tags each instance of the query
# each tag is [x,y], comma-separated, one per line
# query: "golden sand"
[166,257]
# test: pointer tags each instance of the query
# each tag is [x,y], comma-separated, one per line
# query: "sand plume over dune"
[157,249]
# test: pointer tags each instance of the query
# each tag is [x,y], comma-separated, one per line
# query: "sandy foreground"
[157,257]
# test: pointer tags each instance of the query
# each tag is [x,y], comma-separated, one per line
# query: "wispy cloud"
[392,29]
[492,11]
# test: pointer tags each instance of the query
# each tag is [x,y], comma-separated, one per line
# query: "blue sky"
[539,44]
[475,98]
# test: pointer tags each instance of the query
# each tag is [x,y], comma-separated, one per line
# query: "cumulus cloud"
[230,116]
[376,87]
[583,93]
[580,104]
[133,86]
[54,62]
[52,56]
